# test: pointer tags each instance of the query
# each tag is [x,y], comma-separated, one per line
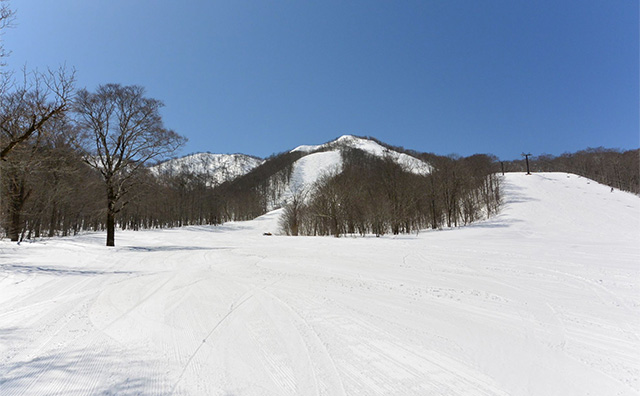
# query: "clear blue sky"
[260,77]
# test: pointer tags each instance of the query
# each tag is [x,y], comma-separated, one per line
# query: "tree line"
[71,159]
[74,160]
[373,195]
[615,168]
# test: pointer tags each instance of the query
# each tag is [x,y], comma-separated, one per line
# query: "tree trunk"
[14,225]
[53,219]
[17,199]
[111,214]
[111,228]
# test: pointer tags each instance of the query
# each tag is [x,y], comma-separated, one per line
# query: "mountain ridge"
[220,168]
[214,168]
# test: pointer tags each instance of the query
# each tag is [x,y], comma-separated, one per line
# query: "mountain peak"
[371,147]
[349,140]
[215,168]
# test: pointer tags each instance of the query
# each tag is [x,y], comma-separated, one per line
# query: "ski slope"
[309,169]
[541,300]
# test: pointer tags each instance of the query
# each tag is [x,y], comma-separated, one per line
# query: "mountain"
[371,147]
[310,163]
[275,181]
[297,170]
[214,168]
[323,159]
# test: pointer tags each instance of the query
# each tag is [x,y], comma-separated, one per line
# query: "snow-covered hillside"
[369,146]
[215,168]
[308,169]
[325,159]
[543,299]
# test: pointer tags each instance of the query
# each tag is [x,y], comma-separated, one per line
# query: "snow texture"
[308,169]
[215,168]
[541,300]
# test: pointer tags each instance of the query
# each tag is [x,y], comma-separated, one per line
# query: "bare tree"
[26,110]
[293,212]
[26,107]
[122,130]
[6,20]
[16,189]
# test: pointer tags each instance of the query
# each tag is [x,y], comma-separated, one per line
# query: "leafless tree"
[613,167]
[121,131]
[26,109]
[6,20]
[293,213]
[27,106]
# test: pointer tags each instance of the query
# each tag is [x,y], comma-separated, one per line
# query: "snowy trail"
[543,299]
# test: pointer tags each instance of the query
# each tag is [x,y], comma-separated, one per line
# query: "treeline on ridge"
[615,168]
[373,195]
[48,190]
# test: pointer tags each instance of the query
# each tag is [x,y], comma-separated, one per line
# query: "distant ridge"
[286,174]
[214,168]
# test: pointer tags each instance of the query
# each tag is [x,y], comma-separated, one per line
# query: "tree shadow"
[81,372]
[495,223]
[147,249]
[513,194]
[39,269]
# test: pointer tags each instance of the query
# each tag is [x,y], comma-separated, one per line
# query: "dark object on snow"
[526,156]
[267,234]
[611,189]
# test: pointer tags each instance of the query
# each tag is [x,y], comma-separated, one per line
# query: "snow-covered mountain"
[326,158]
[371,147]
[282,177]
[215,168]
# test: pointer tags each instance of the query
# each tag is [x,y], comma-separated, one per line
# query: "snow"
[217,168]
[369,146]
[308,169]
[307,148]
[542,299]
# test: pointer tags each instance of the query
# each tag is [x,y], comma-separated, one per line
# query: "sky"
[261,77]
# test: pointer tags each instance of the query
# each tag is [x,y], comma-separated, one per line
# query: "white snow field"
[541,300]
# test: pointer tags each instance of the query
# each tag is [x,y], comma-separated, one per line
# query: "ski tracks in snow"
[532,307]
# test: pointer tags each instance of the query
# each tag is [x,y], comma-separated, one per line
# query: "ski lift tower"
[526,157]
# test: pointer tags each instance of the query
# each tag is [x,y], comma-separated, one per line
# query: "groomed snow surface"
[541,300]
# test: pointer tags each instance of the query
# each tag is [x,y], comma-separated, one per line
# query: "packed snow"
[410,163]
[541,300]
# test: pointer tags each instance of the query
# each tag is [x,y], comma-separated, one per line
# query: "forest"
[615,168]
[74,160]
[49,187]
[373,195]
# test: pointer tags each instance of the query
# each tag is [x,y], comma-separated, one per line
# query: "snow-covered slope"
[216,168]
[308,169]
[543,299]
[326,159]
[369,146]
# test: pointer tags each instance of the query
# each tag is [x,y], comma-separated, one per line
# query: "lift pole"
[526,157]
